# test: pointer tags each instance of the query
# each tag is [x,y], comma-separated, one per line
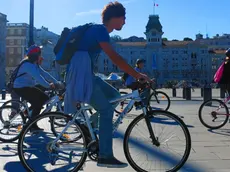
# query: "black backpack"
[68,43]
[13,76]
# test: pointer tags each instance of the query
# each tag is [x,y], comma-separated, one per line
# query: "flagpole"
[154,5]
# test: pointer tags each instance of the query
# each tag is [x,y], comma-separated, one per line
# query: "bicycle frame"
[134,96]
[225,101]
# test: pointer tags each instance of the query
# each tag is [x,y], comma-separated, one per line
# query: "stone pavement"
[210,150]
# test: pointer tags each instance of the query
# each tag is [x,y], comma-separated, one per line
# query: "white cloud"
[90,12]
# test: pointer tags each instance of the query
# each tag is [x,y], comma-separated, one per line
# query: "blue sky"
[179,18]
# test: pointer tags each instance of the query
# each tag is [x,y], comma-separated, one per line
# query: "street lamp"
[31,27]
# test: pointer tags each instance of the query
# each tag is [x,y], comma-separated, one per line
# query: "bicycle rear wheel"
[18,105]
[120,107]
[153,155]
[39,151]
[159,100]
[213,114]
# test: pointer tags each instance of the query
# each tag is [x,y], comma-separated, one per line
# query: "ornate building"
[165,60]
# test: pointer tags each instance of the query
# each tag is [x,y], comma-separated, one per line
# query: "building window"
[11,50]
[19,42]
[11,41]
[19,50]
[142,52]
[11,31]
[19,31]
[153,39]
[11,61]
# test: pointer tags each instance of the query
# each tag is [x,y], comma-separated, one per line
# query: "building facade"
[3,22]
[16,44]
[218,42]
[48,40]
[165,60]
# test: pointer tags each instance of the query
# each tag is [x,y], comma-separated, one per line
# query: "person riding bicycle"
[139,67]
[28,74]
[83,86]
[131,82]
[225,79]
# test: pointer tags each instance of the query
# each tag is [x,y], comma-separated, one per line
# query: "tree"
[116,38]
[188,39]
[175,40]
[164,39]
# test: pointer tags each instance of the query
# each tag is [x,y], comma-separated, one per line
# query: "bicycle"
[19,116]
[219,113]
[83,138]
[156,97]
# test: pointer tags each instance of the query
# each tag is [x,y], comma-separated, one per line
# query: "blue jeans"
[102,93]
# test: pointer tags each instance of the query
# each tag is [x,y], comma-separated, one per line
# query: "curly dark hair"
[112,10]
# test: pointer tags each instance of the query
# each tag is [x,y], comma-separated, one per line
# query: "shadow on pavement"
[9,149]
[36,154]
[14,166]
[224,132]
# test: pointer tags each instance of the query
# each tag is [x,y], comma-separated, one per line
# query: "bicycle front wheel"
[43,151]
[11,123]
[173,147]
[213,114]
[159,100]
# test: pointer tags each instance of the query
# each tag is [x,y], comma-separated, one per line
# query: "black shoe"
[110,163]
[35,128]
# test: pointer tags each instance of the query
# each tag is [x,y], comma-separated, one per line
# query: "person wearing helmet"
[30,73]
[225,79]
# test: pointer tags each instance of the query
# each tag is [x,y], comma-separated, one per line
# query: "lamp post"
[31,27]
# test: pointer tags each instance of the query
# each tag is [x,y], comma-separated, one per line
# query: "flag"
[155,4]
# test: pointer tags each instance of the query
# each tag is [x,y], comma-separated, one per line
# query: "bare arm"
[118,60]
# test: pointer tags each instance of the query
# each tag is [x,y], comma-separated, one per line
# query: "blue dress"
[79,81]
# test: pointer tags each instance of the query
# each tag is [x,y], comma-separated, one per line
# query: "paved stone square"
[210,150]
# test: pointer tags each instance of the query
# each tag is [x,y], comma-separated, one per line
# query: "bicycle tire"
[123,92]
[209,126]
[14,101]
[35,120]
[153,94]
[154,113]
[23,123]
